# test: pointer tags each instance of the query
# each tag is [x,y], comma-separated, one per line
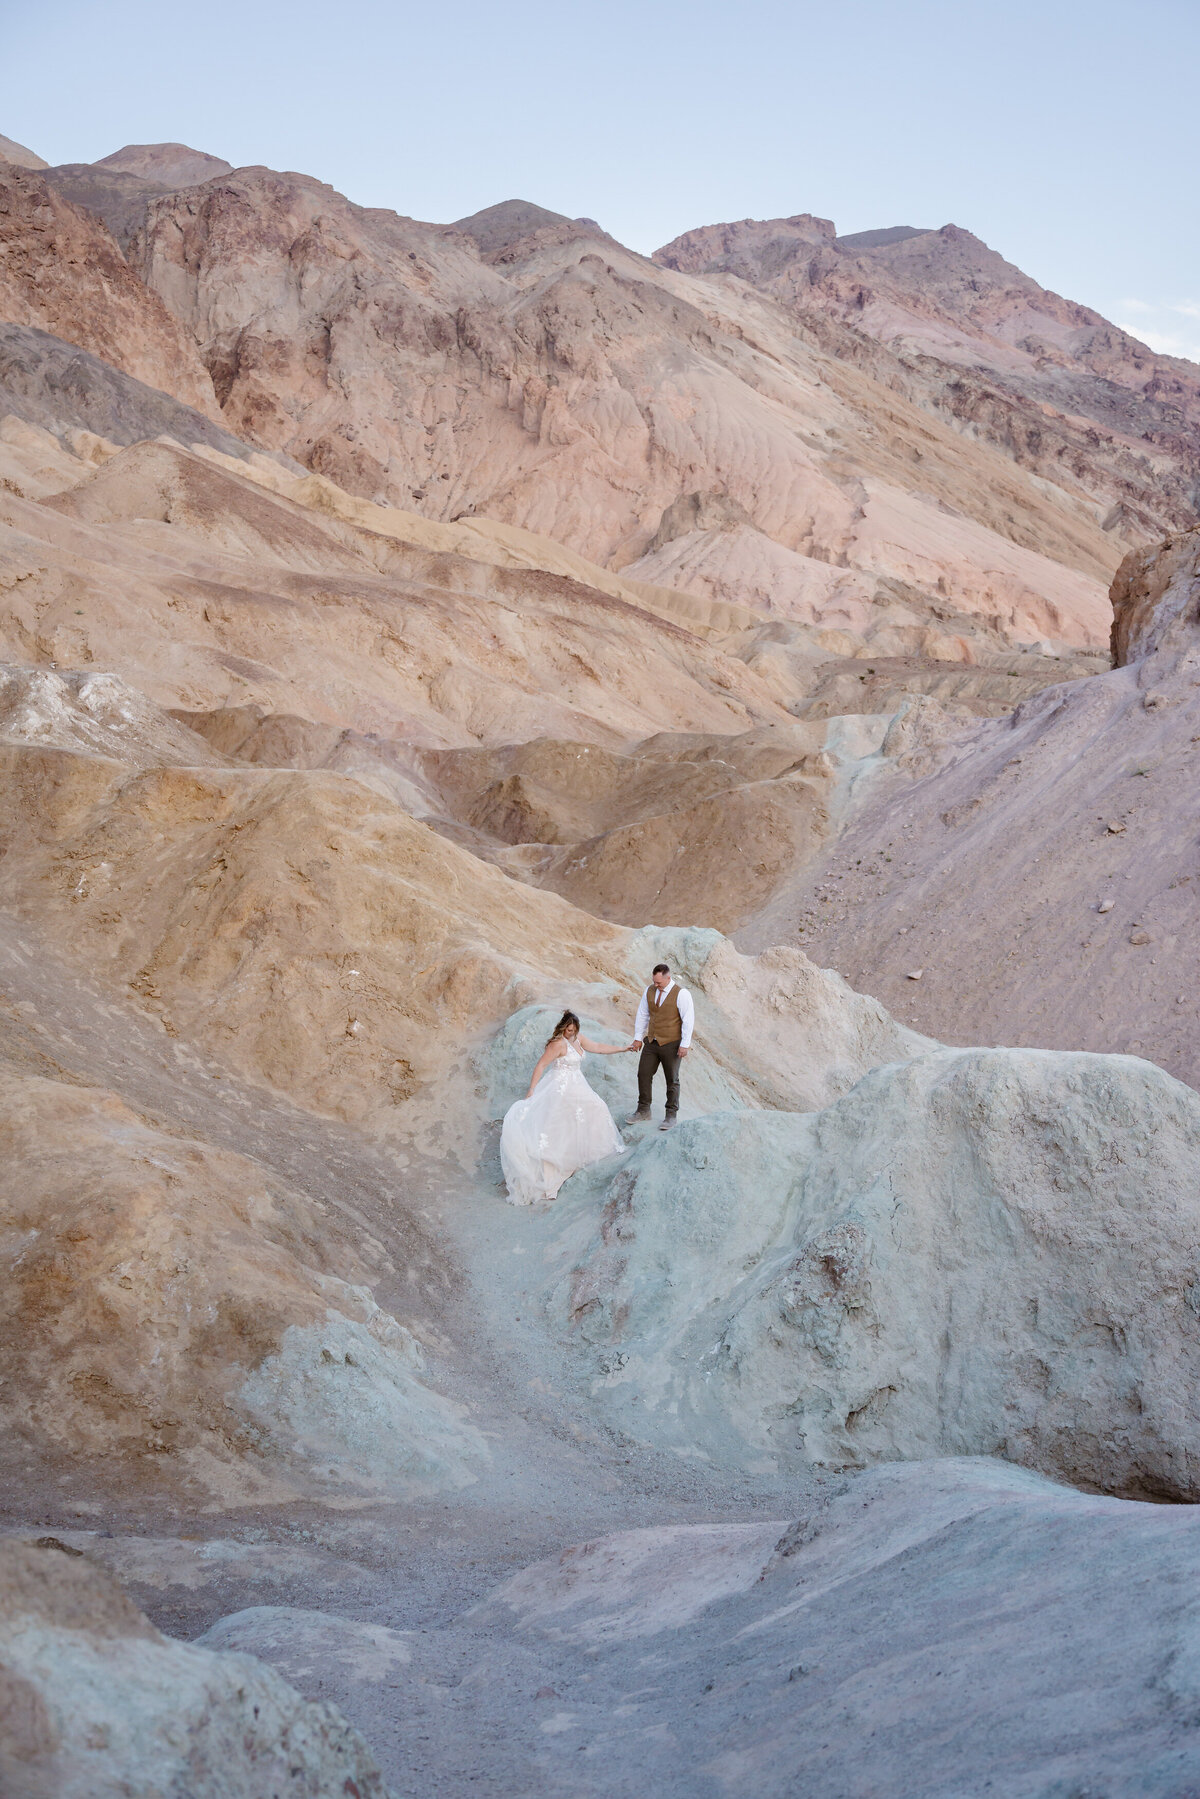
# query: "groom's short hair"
[661,968]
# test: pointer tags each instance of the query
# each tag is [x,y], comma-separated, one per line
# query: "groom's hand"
[637,1043]
[684,1052]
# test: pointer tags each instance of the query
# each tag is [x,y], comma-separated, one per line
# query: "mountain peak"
[174,165]
[10,151]
[498,227]
[875,240]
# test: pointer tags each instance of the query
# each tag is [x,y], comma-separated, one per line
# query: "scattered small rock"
[545,1693]
[914,974]
[1106,905]
[1115,827]
[1139,935]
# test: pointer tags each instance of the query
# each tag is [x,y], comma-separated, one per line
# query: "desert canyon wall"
[408,630]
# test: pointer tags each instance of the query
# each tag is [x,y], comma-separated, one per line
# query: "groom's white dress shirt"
[687,1014]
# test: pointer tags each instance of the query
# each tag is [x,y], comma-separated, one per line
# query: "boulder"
[1156,598]
[976,1252]
[97,1704]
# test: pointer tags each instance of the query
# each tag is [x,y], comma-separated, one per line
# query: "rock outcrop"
[118,199]
[63,273]
[978,1252]
[95,1702]
[1156,600]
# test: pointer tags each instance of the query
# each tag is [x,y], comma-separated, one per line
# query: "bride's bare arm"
[605,1049]
[551,1053]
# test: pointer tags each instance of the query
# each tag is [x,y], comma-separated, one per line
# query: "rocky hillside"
[1062,837]
[407,631]
[969,337]
[64,273]
[734,419]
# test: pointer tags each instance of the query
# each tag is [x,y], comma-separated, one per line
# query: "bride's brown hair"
[560,1029]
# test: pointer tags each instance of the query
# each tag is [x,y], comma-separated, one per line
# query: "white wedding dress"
[562,1126]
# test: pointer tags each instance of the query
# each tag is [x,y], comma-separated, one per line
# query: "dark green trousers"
[655,1056]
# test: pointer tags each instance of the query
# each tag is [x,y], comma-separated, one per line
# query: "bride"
[561,1124]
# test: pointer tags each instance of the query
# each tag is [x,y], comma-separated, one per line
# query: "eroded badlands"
[372,692]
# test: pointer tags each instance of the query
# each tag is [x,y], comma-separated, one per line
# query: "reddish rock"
[62,272]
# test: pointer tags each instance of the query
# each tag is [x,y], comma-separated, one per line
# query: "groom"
[663,1033]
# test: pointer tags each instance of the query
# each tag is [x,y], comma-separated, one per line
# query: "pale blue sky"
[1063,133]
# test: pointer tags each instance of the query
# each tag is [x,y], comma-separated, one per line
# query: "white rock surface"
[347,1398]
[297,1639]
[938,1629]
[83,710]
[96,1704]
[977,1252]
[771,1030]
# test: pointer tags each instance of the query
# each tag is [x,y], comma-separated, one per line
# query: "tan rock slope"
[18,154]
[682,730]
[174,1321]
[969,337]
[828,490]
[648,834]
[204,589]
[1060,838]
[560,383]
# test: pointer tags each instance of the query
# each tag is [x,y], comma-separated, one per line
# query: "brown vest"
[666,1026]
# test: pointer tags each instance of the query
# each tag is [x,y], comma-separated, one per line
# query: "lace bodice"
[565,1066]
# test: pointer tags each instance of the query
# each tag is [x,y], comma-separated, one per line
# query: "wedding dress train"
[562,1126]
